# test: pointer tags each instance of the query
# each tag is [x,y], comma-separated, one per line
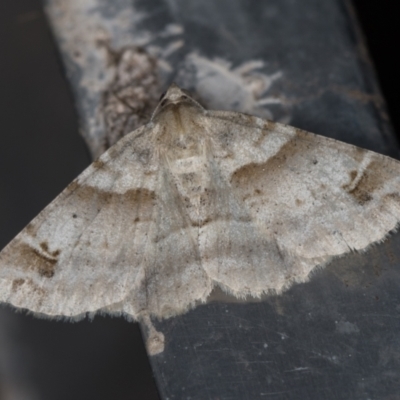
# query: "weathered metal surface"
[303,63]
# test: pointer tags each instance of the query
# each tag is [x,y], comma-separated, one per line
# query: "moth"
[193,200]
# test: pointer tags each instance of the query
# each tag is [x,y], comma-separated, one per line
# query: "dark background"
[41,152]
[379,22]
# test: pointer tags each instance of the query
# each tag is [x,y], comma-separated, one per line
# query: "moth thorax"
[185,146]
[192,179]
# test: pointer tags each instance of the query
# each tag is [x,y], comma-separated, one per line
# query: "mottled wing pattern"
[195,199]
[116,239]
[85,250]
[173,278]
[297,199]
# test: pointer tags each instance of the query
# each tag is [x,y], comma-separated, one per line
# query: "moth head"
[172,97]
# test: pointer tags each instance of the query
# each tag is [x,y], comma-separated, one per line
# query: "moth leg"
[154,339]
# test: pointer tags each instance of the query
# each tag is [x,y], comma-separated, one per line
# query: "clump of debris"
[133,93]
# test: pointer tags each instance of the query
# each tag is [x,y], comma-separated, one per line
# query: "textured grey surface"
[320,76]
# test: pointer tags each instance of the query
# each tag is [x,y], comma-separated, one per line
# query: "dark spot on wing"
[17,283]
[353,175]
[31,229]
[371,180]
[361,196]
[393,196]
[360,151]
[38,260]
[45,247]
[201,222]
[98,164]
